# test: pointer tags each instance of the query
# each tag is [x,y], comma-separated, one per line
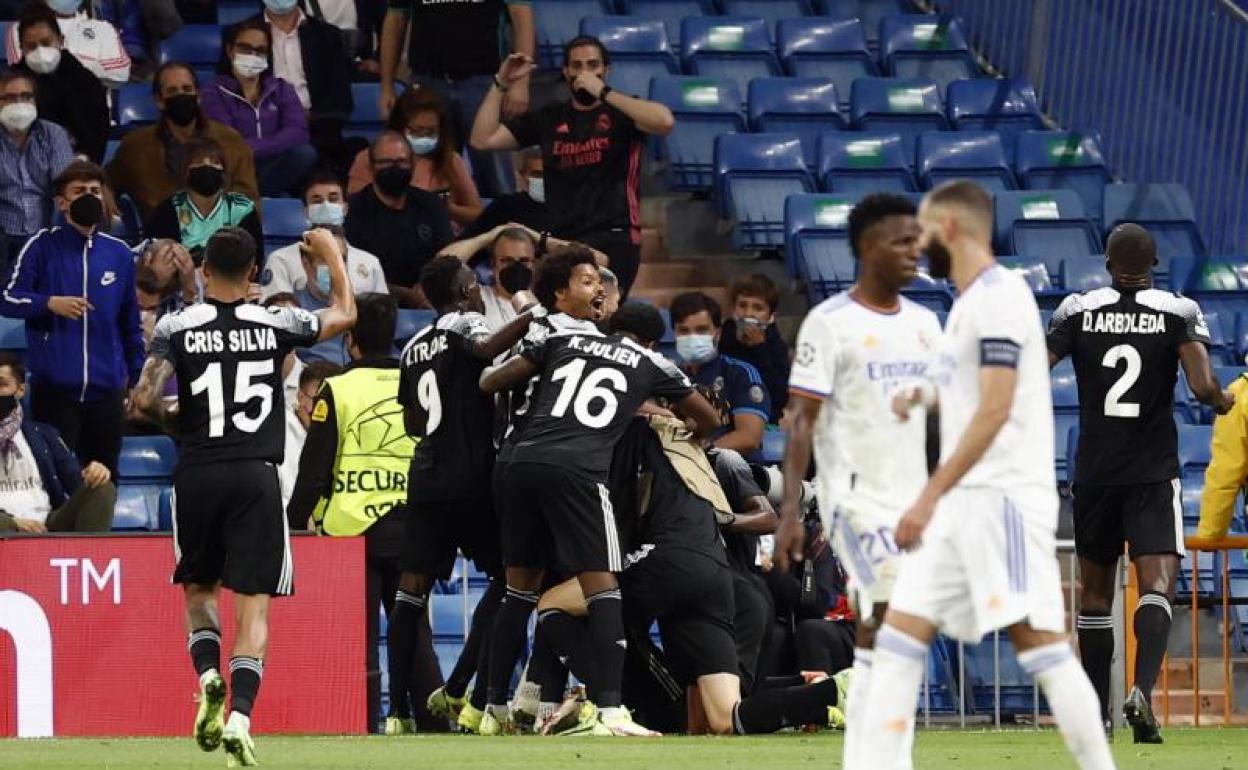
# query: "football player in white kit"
[983,529]
[854,351]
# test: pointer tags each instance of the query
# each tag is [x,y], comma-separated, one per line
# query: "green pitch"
[1206,749]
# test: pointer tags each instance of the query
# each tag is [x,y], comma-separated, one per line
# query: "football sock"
[470,656]
[767,711]
[1152,633]
[856,699]
[897,665]
[557,638]
[245,673]
[1096,652]
[1072,701]
[606,631]
[204,644]
[511,629]
[405,619]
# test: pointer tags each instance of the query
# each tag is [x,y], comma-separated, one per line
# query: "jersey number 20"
[1114,405]
[588,391]
[245,391]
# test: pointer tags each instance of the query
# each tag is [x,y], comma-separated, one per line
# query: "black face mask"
[939,260]
[7,405]
[515,277]
[183,109]
[205,180]
[86,211]
[393,180]
[581,96]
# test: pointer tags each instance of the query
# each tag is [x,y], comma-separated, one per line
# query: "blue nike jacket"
[100,353]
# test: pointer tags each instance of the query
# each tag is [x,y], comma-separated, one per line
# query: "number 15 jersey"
[1124,344]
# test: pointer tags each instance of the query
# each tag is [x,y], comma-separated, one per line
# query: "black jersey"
[440,383]
[1124,344]
[591,386]
[228,362]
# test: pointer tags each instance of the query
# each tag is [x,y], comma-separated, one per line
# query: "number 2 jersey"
[228,362]
[591,386]
[1124,344]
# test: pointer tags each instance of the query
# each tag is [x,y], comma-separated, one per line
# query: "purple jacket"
[276,125]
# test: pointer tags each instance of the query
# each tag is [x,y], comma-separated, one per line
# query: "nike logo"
[108,278]
[622,643]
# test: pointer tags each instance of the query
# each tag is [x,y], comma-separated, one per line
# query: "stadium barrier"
[94,640]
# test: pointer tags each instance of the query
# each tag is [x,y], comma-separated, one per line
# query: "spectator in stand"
[166,278]
[403,225]
[66,92]
[93,42]
[32,153]
[261,107]
[74,286]
[592,145]
[311,55]
[1227,473]
[751,336]
[422,117]
[360,22]
[150,164]
[202,207]
[454,49]
[526,206]
[697,321]
[126,16]
[42,487]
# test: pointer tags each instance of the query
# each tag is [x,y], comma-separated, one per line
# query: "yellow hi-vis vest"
[374,451]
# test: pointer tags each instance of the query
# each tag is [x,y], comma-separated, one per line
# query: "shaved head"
[1130,250]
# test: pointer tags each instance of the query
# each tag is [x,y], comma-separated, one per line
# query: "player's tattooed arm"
[148,397]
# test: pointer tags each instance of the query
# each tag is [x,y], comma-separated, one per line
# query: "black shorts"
[229,527]
[1147,517]
[558,520]
[434,531]
[691,597]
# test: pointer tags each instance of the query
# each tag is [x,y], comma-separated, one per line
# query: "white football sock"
[1073,702]
[853,710]
[888,718]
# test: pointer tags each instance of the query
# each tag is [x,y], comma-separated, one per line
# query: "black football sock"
[767,711]
[1152,633]
[609,645]
[511,629]
[204,645]
[469,656]
[245,673]
[560,638]
[401,649]
[1096,652]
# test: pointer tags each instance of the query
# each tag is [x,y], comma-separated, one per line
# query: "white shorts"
[863,539]
[988,560]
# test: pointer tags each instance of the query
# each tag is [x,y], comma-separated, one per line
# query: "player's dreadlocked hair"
[640,320]
[554,271]
[439,279]
[872,209]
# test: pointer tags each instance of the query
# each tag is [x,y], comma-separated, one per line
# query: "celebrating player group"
[587,495]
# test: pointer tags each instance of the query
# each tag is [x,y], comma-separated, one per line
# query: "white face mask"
[18,116]
[43,59]
[537,189]
[249,65]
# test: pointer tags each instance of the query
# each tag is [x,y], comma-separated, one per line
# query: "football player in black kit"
[449,501]
[559,511]
[229,528]
[1127,341]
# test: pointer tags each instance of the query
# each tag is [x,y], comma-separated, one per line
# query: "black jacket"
[75,99]
[327,66]
[771,359]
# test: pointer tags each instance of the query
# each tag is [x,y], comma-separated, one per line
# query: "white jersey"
[995,322]
[855,359]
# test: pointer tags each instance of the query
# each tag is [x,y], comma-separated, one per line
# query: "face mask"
[754,322]
[515,277]
[7,405]
[86,211]
[695,348]
[939,260]
[326,214]
[422,145]
[322,278]
[581,96]
[537,189]
[393,180]
[44,59]
[18,117]
[205,180]
[183,109]
[249,65]
[64,7]
[280,6]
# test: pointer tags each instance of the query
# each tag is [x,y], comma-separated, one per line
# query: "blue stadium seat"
[1221,341]
[1241,335]
[1084,273]
[1194,449]
[195,44]
[1068,160]
[232,12]
[558,21]
[639,50]
[1036,274]
[446,616]
[366,118]
[283,221]
[932,293]
[1044,223]
[736,47]
[1007,106]
[704,108]
[137,508]
[1220,286]
[773,446]
[1164,208]
[865,161]
[993,662]
[771,11]
[12,334]
[135,107]
[908,106]
[409,322]
[668,334]
[802,106]
[1228,374]
[670,12]
[816,243]
[754,173]
[145,458]
[164,510]
[130,228]
[975,155]
[925,46]
[1065,389]
[1066,441]
[826,48]
[941,695]
[869,12]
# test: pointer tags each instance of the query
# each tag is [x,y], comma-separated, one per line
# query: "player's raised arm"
[488,348]
[322,246]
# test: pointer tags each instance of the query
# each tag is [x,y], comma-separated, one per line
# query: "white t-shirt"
[288,59]
[93,42]
[288,471]
[21,487]
[995,321]
[498,311]
[284,272]
[340,13]
[855,359]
